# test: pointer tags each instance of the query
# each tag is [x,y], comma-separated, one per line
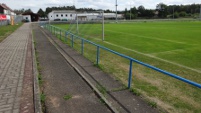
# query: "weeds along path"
[73,84]
[151,56]
[64,89]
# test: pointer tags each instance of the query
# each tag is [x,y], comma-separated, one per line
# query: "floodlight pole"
[173,12]
[77,28]
[116,11]
[200,11]
[130,11]
[103,21]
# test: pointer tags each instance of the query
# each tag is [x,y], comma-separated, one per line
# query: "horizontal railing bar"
[139,62]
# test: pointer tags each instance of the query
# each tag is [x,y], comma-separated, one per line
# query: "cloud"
[97,4]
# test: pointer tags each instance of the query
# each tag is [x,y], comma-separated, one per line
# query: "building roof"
[64,11]
[88,14]
[6,7]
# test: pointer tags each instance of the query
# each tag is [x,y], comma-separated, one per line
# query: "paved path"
[60,80]
[13,52]
[59,61]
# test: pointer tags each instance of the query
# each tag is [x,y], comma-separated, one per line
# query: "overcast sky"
[34,5]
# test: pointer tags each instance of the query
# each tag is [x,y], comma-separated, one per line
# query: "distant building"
[27,18]
[5,10]
[30,17]
[60,15]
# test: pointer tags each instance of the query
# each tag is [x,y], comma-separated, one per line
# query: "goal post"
[89,21]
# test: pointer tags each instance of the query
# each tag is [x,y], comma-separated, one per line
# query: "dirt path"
[61,80]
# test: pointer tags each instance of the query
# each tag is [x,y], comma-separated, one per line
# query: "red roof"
[6,7]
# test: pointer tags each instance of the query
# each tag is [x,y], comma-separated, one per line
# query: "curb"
[37,102]
[82,74]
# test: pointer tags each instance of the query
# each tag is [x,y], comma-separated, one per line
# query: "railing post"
[66,36]
[72,41]
[54,31]
[82,49]
[98,55]
[130,74]
[60,34]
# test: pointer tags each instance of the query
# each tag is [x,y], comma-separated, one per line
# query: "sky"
[35,5]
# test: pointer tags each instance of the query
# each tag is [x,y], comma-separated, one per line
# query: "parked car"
[64,20]
[57,19]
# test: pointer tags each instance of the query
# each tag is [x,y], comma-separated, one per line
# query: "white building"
[62,15]
[27,18]
[4,9]
[72,15]
[89,16]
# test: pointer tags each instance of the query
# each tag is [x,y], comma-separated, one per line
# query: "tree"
[182,14]
[48,10]
[28,11]
[149,13]
[41,13]
[108,11]
[134,10]
[141,11]
[19,11]
[162,10]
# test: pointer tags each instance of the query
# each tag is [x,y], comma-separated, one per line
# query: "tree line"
[161,11]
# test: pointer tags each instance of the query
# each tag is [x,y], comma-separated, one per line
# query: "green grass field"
[171,46]
[7,30]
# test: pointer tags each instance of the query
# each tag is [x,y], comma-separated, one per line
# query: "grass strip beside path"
[5,31]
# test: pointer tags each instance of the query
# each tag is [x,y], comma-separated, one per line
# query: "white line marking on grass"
[172,41]
[164,52]
[151,56]
[148,55]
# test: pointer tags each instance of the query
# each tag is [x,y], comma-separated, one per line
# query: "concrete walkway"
[13,58]
[64,72]
[116,96]
[60,80]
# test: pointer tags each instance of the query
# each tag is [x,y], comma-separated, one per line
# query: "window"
[57,15]
[66,15]
[70,15]
[61,15]
[26,18]
[51,15]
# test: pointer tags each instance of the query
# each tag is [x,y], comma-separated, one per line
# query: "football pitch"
[176,43]
[171,46]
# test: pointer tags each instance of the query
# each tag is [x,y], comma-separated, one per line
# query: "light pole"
[200,11]
[173,12]
[103,32]
[116,11]
[130,11]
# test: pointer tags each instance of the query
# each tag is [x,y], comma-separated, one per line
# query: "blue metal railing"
[54,29]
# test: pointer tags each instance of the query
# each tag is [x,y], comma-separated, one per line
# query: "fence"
[56,30]
[17,19]
[4,22]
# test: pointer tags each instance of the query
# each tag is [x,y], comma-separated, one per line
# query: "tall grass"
[7,30]
[177,42]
